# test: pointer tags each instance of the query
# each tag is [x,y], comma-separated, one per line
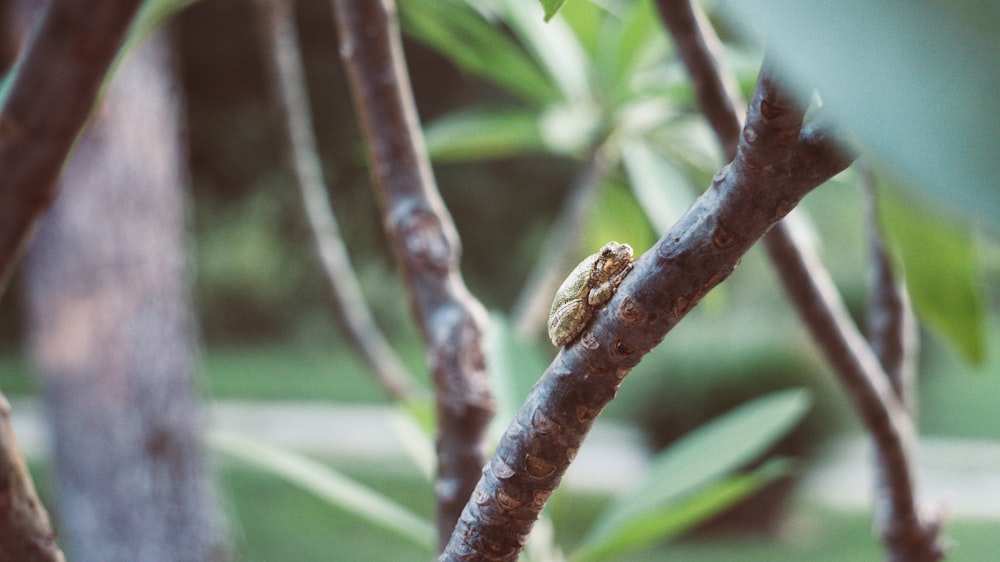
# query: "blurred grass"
[16,374]
[273,374]
[277,372]
[275,521]
[955,400]
[272,520]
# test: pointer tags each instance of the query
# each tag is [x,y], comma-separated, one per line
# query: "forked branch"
[766,180]
[426,244]
[907,534]
[278,23]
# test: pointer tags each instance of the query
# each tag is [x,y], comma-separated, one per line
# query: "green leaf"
[941,272]
[551,7]
[327,484]
[466,38]
[617,216]
[664,522]
[662,190]
[554,46]
[515,365]
[699,460]
[585,18]
[630,41]
[914,82]
[571,128]
[480,134]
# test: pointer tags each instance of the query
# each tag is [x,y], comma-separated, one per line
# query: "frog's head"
[612,259]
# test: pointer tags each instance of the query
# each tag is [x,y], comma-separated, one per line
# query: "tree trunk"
[113,334]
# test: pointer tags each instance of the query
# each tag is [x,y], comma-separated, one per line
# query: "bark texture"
[56,82]
[26,534]
[773,170]
[277,20]
[426,243]
[877,378]
[112,331]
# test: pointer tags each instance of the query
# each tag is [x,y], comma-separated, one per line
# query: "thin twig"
[58,78]
[426,244]
[893,337]
[808,284]
[891,325]
[745,199]
[278,22]
[532,305]
[908,536]
[716,91]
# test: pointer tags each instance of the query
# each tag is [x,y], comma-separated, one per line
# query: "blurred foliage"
[940,265]
[328,484]
[689,481]
[276,520]
[915,84]
[512,106]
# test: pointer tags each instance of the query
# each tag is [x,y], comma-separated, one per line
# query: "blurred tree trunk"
[112,331]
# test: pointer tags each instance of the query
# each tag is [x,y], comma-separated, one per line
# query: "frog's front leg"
[567,321]
[603,292]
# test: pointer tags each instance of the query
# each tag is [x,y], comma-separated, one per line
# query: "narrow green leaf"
[571,128]
[585,18]
[662,190]
[414,423]
[616,215]
[551,7]
[669,520]
[631,40]
[515,365]
[914,82]
[554,46]
[327,484]
[702,458]
[481,134]
[465,37]
[941,272]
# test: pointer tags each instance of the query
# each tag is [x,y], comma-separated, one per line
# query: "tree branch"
[809,286]
[893,337]
[25,531]
[56,83]
[891,325]
[746,198]
[278,24]
[716,92]
[907,536]
[426,244]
